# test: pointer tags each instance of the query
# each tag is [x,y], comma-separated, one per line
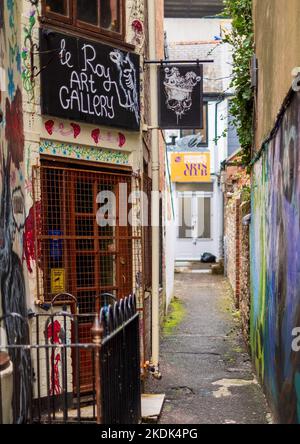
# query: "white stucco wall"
[183,29]
[170,236]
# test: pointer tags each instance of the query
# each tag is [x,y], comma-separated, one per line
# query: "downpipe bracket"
[153,370]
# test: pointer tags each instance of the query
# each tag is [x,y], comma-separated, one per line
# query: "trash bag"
[208,258]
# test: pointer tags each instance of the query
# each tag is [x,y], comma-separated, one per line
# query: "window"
[92,16]
[204,218]
[194,213]
[57,7]
[186,216]
[203,131]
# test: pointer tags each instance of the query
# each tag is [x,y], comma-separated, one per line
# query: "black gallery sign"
[90,82]
[180,96]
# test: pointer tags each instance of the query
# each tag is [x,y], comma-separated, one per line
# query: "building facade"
[236,188]
[75,150]
[200,202]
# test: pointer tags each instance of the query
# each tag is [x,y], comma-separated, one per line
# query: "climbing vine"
[241,38]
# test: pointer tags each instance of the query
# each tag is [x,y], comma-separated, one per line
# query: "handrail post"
[97,335]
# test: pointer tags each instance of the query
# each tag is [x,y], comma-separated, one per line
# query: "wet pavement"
[207,372]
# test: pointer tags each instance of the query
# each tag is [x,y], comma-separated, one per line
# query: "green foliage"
[242,40]
[175,317]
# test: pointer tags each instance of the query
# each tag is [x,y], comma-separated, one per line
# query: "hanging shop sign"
[89,82]
[190,167]
[181,96]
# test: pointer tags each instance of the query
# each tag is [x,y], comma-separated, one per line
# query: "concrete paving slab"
[206,368]
[152,407]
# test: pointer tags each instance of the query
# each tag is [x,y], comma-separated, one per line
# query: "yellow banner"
[190,167]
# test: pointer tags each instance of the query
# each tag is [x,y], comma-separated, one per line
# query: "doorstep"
[152,407]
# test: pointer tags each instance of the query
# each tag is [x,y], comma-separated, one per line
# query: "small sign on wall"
[58,281]
[190,167]
[180,96]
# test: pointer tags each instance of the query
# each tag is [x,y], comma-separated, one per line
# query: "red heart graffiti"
[77,129]
[122,140]
[96,135]
[49,125]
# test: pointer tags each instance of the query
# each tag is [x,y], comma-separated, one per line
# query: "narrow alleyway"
[207,374]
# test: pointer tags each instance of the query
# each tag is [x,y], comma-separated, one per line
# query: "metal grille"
[79,256]
[147,234]
[121,392]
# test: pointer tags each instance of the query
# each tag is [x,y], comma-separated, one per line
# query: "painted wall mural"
[67,130]
[54,333]
[12,205]
[275,267]
[137,23]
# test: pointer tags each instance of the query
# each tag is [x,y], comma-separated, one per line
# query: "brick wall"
[244,249]
[230,250]
[237,257]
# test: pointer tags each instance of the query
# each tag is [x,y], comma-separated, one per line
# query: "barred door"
[77,254]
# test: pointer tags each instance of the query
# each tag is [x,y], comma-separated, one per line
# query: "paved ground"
[207,374]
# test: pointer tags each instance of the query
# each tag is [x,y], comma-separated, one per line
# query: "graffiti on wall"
[136,18]
[33,224]
[12,206]
[275,267]
[54,334]
[73,129]
[79,152]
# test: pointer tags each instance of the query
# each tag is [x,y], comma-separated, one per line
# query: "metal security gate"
[78,256]
[45,368]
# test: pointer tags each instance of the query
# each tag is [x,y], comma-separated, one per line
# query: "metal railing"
[55,379]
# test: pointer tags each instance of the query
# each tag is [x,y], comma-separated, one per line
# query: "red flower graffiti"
[96,135]
[122,140]
[14,130]
[49,125]
[138,29]
[53,332]
[77,129]
[137,26]
[29,235]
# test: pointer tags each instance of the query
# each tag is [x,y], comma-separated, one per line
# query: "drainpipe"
[217,164]
[154,365]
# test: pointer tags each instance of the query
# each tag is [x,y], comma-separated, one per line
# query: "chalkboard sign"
[86,81]
[181,96]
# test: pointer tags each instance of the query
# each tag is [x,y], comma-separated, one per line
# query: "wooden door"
[96,258]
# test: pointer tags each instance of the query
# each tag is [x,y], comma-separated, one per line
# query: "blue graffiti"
[10,7]
[11,84]
[19,61]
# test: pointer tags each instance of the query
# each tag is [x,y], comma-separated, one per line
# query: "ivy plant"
[241,38]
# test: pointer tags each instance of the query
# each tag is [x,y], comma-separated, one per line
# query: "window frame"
[59,17]
[194,196]
[85,29]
